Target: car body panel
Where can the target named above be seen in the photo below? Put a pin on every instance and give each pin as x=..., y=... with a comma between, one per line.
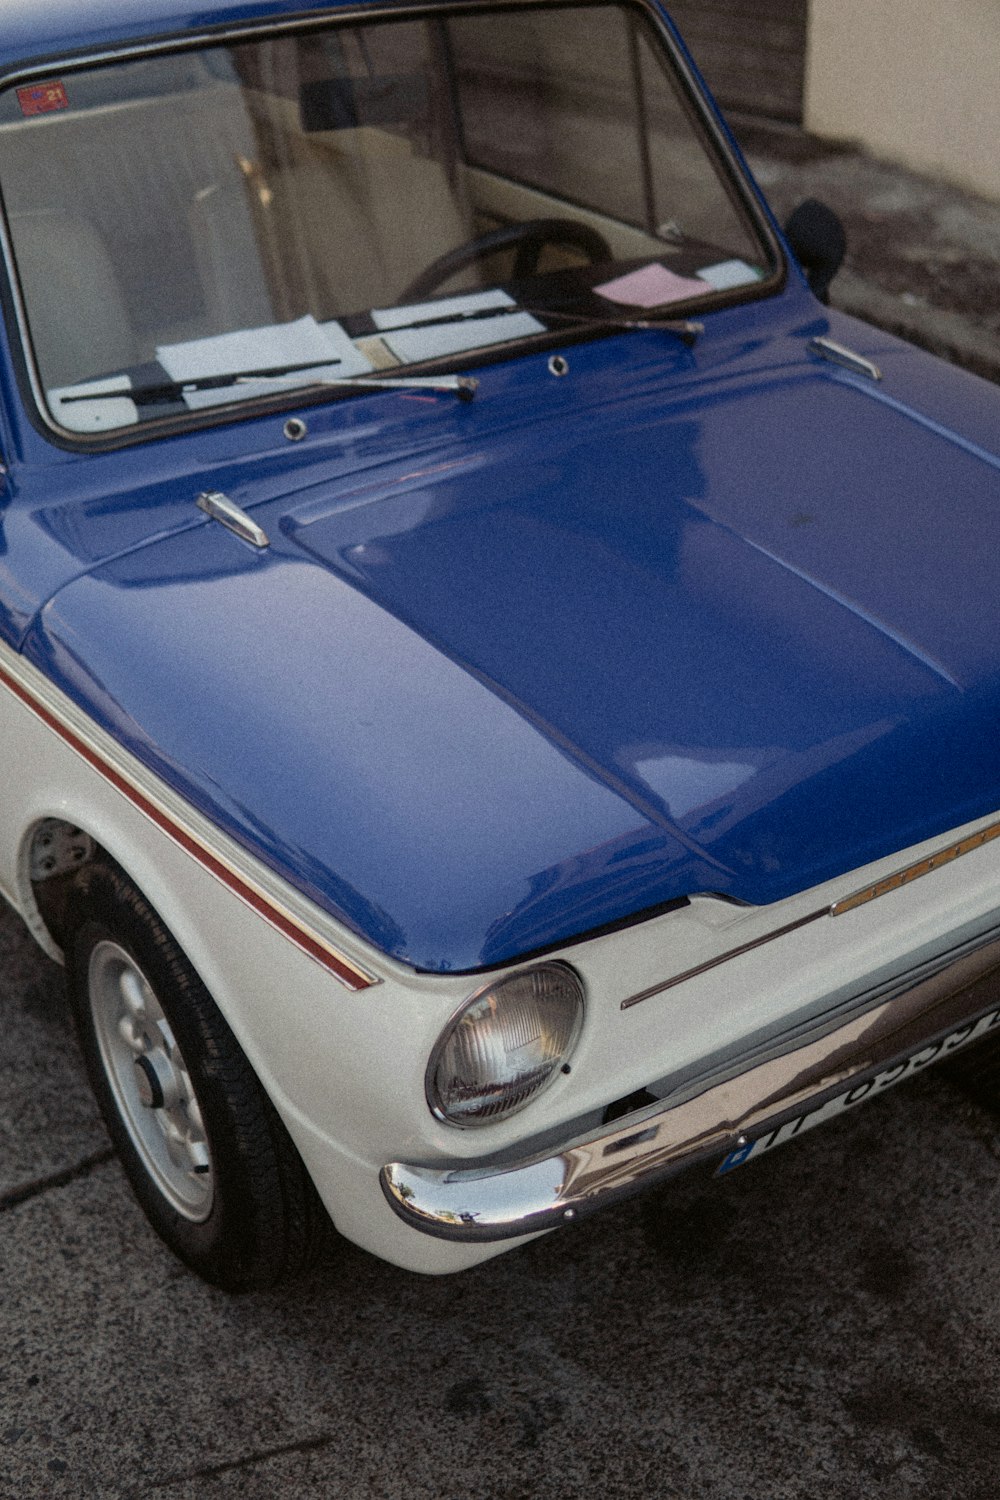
x=509, y=640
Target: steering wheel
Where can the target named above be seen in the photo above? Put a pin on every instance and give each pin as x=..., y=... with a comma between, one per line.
x=531, y=237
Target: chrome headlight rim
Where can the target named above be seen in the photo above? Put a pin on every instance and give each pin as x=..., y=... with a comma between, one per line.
x=434, y=1104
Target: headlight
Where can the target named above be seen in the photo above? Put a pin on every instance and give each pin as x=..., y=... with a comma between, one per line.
x=505, y=1045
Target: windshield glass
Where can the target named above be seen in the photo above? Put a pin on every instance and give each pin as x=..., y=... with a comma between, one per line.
x=220, y=224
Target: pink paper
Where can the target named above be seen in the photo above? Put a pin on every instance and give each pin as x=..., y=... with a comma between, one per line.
x=651, y=286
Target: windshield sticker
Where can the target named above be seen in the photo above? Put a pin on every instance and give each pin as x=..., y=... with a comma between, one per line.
x=651, y=286
x=729, y=273
x=42, y=98
x=262, y=360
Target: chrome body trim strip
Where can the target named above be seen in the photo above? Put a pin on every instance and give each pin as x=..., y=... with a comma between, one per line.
x=724, y=958
x=861, y=897
x=922, y=1022
x=916, y=871
x=839, y=354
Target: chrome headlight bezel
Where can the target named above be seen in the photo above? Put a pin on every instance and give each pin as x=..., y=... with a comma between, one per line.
x=568, y=983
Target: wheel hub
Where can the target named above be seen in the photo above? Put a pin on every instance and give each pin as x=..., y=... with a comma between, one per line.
x=150, y=1082
x=156, y=1082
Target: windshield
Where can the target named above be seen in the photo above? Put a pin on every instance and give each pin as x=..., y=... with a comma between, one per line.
x=220, y=224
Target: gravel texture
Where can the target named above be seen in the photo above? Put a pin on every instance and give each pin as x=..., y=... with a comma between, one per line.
x=923, y=258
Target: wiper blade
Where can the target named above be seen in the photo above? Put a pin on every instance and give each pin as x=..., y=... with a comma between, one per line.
x=682, y=328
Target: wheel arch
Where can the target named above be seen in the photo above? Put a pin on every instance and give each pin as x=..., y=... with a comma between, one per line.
x=198, y=912
x=55, y=844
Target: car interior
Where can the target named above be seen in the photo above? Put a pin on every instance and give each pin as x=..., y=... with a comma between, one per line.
x=184, y=196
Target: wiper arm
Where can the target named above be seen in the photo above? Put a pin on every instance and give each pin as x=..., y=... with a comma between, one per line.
x=682, y=328
x=463, y=386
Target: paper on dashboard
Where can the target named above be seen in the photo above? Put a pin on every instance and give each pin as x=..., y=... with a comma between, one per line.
x=417, y=331
x=94, y=405
x=650, y=286
x=728, y=273
x=319, y=352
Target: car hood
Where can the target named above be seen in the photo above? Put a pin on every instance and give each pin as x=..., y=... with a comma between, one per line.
x=738, y=640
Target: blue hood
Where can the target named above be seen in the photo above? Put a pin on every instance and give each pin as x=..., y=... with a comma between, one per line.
x=742, y=640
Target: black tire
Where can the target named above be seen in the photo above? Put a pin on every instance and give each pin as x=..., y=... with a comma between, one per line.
x=207, y=1156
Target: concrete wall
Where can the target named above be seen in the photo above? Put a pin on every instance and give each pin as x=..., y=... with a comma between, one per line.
x=917, y=81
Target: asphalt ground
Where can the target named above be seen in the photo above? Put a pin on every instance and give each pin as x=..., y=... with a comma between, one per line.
x=825, y=1323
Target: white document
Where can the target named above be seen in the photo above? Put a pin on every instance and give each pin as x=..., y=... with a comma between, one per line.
x=94, y=405
x=429, y=338
x=319, y=353
x=729, y=273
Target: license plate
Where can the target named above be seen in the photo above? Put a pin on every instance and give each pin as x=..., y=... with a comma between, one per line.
x=865, y=1088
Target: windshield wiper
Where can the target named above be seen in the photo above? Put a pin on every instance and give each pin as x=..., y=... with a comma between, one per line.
x=463, y=386
x=682, y=328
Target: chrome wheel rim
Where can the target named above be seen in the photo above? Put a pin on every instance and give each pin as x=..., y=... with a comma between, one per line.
x=150, y=1081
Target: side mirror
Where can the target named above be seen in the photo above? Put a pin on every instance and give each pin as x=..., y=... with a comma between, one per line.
x=818, y=242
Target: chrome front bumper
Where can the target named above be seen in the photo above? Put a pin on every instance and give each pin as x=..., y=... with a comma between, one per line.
x=920, y=1024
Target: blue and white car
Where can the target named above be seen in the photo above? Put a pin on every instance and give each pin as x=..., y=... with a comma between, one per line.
x=498, y=683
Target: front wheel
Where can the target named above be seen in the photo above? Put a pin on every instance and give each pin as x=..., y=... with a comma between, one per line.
x=207, y=1156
